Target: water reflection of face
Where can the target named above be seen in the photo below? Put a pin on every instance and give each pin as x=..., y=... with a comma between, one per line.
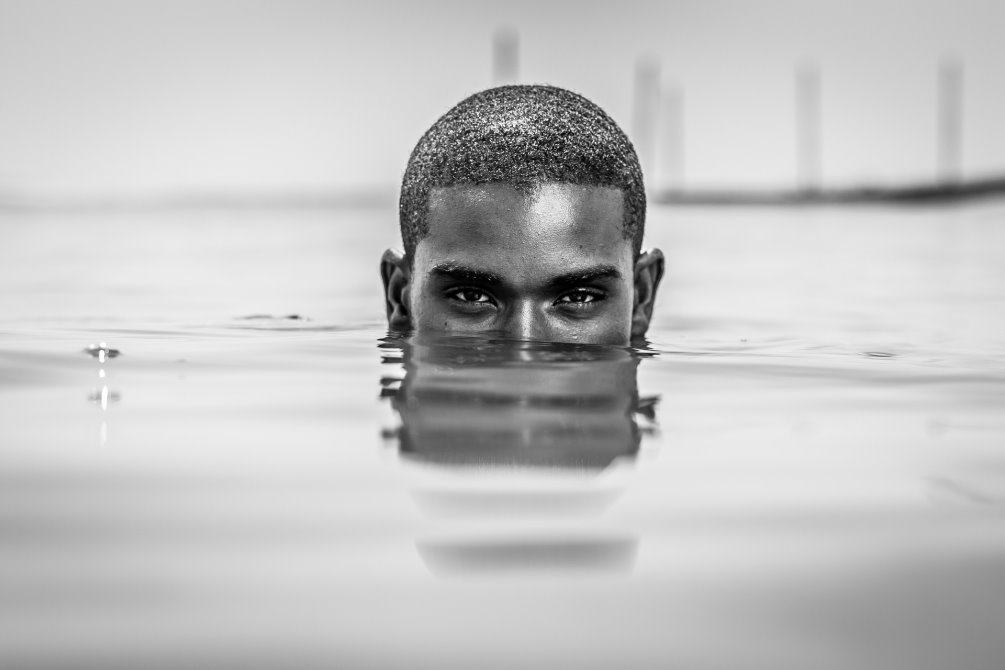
x=491, y=403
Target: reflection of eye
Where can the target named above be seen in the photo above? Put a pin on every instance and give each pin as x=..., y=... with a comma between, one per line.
x=470, y=296
x=580, y=296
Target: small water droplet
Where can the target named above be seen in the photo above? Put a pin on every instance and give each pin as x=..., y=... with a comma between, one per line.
x=102, y=352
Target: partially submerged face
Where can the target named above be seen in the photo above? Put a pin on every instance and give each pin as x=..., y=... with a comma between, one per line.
x=548, y=264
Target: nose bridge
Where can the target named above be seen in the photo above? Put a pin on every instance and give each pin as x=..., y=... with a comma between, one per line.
x=525, y=322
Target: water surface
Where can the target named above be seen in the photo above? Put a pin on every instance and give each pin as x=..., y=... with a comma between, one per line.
x=803, y=470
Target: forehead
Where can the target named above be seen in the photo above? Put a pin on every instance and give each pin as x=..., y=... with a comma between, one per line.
x=503, y=228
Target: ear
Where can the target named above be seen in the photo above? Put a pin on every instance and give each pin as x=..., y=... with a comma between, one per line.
x=396, y=274
x=648, y=273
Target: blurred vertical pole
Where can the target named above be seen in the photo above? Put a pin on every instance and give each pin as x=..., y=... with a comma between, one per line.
x=673, y=143
x=645, y=111
x=505, y=56
x=808, y=126
x=950, y=121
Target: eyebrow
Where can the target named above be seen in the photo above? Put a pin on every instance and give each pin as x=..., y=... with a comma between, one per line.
x=585, y=276
x=458, y=272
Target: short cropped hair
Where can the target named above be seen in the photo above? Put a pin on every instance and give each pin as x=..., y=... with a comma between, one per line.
x=521, y=135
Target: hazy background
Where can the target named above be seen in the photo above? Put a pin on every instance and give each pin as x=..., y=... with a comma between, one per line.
x=155, y=98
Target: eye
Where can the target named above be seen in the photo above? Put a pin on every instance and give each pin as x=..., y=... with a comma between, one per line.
x=471, y=296
x=580, y=296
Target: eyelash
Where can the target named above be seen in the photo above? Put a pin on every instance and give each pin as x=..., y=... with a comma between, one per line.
x=455, y=294
x=589, y=296
x=592, y=295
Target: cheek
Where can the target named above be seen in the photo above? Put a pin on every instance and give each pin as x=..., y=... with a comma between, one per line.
x=429, y=312
x=612, y=333
x=420, y=302
x=619, y=326
x=612, y=327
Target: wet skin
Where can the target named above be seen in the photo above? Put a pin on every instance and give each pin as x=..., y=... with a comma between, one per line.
x=549, y=264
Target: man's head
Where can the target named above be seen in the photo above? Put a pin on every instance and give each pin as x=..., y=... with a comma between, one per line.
x=522, y=213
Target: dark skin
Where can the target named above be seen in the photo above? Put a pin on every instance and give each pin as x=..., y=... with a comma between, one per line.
x=551, y=264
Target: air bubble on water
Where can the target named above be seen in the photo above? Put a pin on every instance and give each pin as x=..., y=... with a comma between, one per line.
x=102, y=352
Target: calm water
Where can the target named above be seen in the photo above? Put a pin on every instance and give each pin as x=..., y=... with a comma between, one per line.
x=806, y=469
